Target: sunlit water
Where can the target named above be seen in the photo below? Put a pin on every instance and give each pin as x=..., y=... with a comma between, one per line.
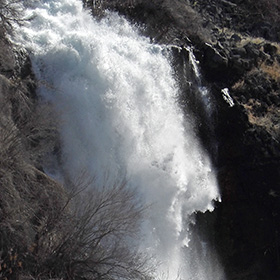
x=117, y=99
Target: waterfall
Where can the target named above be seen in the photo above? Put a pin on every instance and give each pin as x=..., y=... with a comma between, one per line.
x=117, y=99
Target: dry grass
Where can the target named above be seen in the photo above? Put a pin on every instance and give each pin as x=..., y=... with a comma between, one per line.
x=238, y=85
x=259, y=41
x=271, y=71
x=268, y=120
x=248, y=39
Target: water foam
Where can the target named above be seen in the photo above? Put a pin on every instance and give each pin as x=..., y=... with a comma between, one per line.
x=117, y=99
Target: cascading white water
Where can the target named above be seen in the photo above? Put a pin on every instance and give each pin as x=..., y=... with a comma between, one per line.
x=116, y=96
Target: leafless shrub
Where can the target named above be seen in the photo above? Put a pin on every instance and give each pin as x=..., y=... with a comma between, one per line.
x=40, y=132
x=10, y=150
x=35, y=120
x=10, y=13
x=96, y=241
x=27, y=196
x=85, y=234
x=88, y=232
x=28, y=200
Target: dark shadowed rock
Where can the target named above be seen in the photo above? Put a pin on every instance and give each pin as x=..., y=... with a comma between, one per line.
x=270, y=49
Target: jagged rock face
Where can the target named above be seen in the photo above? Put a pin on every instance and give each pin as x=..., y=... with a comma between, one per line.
x=259, y=18
x=245, y=226
x=247, y=221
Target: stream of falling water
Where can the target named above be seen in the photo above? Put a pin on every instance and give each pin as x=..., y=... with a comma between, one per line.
x=117, y=99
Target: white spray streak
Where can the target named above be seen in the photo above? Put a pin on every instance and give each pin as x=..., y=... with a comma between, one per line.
x=227, y=97
x=117, y=98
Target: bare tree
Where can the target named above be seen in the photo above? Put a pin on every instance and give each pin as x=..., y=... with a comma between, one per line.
x=10, y=12
x=98, y=239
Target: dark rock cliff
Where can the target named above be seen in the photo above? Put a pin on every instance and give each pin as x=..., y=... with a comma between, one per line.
x=237, y=45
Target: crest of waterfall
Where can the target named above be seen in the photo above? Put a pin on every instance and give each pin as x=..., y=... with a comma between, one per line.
x=117, y=98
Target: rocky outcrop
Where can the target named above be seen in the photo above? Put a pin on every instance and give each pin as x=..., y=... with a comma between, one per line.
x=246, y=229
x=257, y=18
